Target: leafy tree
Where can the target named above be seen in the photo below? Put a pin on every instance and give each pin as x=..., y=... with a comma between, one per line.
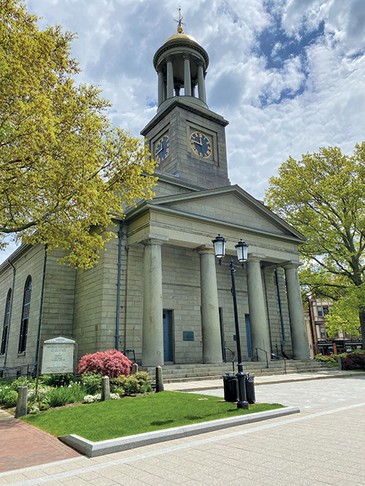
x=64, y=171
x=323, y=196
x=344, y=314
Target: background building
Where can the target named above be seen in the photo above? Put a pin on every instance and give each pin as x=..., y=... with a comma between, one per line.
x=342, y=342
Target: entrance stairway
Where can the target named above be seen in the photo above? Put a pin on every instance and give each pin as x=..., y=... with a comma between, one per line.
x=193, y=372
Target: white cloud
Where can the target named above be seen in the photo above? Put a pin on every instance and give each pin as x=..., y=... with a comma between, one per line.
x=310, y=77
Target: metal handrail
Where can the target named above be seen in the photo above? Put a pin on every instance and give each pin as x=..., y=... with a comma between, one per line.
x=266, y=354
x=6, y=371
x=276, y=356
x=233, y=355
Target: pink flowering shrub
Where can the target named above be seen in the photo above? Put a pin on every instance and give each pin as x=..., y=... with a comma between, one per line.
x=110, y=363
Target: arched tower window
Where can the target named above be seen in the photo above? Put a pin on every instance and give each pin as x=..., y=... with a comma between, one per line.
x=25, y=316
x=5, y=335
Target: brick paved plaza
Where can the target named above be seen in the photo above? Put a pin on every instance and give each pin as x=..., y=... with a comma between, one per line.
x=323, y=445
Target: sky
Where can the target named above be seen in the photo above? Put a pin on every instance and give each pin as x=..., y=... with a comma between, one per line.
x=289, y=75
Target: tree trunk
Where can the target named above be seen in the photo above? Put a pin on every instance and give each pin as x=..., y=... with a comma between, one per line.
x=362, y=323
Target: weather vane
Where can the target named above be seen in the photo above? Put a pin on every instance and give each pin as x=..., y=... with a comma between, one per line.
x=180, y=22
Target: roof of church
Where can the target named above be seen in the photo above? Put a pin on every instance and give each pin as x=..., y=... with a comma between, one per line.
x=182, y=40
x=286, y=231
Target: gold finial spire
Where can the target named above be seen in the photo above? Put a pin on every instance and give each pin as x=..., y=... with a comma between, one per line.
x=180, y=23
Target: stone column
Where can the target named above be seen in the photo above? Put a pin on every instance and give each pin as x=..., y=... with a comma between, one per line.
x=296, y=315
x=161, y=88
x=187, y=76
x=170, y=79
x=212, y=349
x=256, y=302
x=201, y=83
x=152, y=334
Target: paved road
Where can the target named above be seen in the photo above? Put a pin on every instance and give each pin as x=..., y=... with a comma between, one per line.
x=324, y=445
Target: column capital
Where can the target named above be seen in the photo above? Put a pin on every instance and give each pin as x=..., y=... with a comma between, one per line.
x=155, y=240
x=203, y=249
x=291, y=264
x=256, y=257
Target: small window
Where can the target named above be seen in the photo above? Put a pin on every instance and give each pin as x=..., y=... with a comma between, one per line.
x=323, y=332
x=25, y=316
x=4, y=339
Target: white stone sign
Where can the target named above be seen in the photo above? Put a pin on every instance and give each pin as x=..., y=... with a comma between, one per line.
x=58, y=356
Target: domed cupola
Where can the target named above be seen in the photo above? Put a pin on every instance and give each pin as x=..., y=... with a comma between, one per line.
x=185, y=137
x=181, y=64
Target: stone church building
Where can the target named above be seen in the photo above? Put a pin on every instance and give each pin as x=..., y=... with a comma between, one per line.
x=157, y=289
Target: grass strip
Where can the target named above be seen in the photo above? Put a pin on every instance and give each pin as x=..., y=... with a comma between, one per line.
x=137, y=415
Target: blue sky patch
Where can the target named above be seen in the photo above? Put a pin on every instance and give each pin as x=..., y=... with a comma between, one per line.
x=277, y=47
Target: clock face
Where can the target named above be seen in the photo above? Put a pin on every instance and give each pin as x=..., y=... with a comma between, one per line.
x=200, y=144
x=162, y=148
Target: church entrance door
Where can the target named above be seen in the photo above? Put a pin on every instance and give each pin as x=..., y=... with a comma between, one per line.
x=168, y=343
x=248, y=336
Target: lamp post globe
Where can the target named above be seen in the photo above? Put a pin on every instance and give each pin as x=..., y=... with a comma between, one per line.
x=219, y=245
x=242, y=251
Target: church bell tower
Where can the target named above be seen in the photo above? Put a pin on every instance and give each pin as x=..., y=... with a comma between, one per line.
x=186, y=139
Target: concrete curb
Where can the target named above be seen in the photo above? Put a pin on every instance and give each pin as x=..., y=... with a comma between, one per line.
x=94, y=449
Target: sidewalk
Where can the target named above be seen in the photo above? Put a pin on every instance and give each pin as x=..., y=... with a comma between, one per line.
x=276, y=452
x=23, y=445
x=201, y=385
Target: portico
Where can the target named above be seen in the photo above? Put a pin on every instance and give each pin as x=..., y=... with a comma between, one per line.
x=199, y=298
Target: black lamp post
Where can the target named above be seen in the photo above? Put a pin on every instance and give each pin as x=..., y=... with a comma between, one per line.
x=219, y=244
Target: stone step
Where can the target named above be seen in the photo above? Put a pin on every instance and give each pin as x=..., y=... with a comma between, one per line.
x=186, y=372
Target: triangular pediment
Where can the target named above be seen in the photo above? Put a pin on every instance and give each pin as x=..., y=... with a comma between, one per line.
x=228, y=205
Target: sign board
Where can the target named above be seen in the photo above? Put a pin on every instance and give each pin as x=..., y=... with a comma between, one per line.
x=188, y=335
x=58, y=356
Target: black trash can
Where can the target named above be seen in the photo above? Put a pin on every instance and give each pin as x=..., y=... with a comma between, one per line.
x=230, y=387
x=250, y=389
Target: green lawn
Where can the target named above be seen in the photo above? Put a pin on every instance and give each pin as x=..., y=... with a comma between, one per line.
x=136, y=415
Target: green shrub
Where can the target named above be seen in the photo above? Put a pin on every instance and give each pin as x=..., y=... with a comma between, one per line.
x=91, y=382
x=43, y=406
x=57, y=397
x=119, y=390
x=131, y=385
x=58, y=379
x=10, y=399
x=330, y=360
x=4, y=389
x=144, y=381
x=76, y=392
x=37, y=396
x=22, y=381
x=357, y=351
